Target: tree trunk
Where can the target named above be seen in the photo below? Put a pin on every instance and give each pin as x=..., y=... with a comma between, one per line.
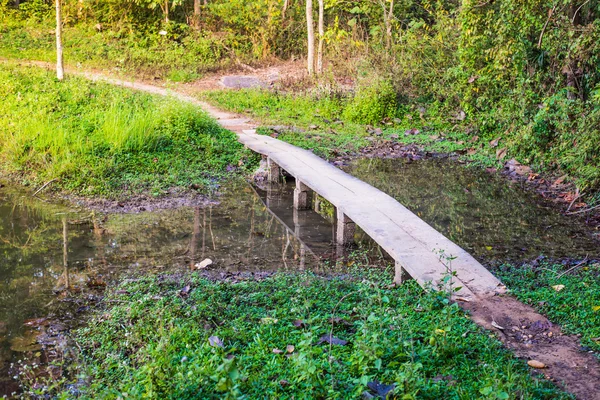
x=167, y=11
x=60, y=73
x=321, y=36
x=284, y=9
x=388, y=28
x=310, y=30
x=196, y=13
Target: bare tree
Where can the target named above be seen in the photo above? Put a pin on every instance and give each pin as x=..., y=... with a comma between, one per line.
x=60, y=73
x=310, y=30
x=321, y=37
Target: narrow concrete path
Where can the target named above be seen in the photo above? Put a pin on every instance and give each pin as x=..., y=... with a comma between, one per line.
x=411, y=241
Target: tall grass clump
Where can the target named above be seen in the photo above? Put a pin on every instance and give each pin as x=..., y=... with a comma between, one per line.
x=96, y=139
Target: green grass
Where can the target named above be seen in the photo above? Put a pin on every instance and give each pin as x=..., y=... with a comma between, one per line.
x=576, y=307
x=327, y=132
x=99, y=140
x=318, y=117
x=153, y=342
x=142, y=54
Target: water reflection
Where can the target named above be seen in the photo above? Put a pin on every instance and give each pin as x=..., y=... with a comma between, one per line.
x=492, y=219
x=52, y=257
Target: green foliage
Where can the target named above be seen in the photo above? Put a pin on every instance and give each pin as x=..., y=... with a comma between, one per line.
x=153, y=342
x=576, y=307
x=310, y=120
x=372, y=103
x=100, y=140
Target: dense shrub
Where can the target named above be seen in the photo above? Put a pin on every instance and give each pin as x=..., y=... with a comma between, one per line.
x=373, y=102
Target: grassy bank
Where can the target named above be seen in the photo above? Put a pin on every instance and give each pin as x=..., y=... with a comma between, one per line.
x=187, y=337
x=571, y=299
x=95, y=139
x=329, y=129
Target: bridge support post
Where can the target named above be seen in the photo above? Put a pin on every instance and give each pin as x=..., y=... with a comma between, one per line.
x=316, y=202
x=345, y=229
x=301, y=196
x=400, y=274
x=273, y=171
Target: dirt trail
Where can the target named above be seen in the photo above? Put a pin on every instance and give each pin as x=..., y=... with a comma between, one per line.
x=532, y=336
x=527, y=333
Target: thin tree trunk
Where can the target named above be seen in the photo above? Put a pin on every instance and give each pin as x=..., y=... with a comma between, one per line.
x=196, y=13
x=284, y=9
x=310, y=30
x=167, y=11
x=60, y=72
x=388, y=40
x=321, y=36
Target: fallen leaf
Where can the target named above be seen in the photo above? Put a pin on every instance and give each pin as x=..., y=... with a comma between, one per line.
x=289, y=348
x=560, y=180
x=596, y=308
x=471, y=151
x=332, y=340
x=299, y=323
x=461, y=115
x=473, y=78
x=185, y=291
x=501, y=153
x=474, y=139
x=283, y=382
x=536, y=364
x=382, y=390
x=558, y=288
x=268, y=320
x=204, y=263
x=277, y=351
x=497, y=326
x=494, y=143
x=214, y=341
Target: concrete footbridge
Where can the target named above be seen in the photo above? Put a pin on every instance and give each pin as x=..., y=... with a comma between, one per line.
x=420, y=252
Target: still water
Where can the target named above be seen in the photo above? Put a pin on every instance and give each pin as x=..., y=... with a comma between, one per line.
x=55, y=261
x=493, y=219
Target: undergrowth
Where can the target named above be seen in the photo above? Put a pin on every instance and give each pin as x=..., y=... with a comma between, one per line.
x=325, y=122
x=188, y=337
x=96, y=139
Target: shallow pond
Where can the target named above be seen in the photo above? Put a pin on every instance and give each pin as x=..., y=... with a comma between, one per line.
x=45, y=248
x=493, y=219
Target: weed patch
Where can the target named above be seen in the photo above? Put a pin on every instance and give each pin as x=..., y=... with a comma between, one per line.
x=164, y=337
x=98, y=140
